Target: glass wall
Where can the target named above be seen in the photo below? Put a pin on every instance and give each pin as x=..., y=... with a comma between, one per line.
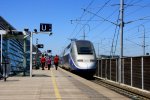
x=14, y=51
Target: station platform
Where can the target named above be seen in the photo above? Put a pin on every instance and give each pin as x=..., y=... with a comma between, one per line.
x=54, y=85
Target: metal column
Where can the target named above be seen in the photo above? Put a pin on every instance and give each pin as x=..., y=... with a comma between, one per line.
x=1, y=47
x=142, y=73
x=31, y=54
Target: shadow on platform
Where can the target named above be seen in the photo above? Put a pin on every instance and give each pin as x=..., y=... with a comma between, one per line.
x=40, y=75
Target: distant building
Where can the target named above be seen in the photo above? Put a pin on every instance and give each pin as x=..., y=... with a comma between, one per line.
x=36, y=57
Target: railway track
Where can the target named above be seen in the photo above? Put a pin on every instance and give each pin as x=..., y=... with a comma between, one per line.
x=133, y=94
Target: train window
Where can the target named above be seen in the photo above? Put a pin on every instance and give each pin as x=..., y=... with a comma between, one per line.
x=84, y=50
x=84, y=47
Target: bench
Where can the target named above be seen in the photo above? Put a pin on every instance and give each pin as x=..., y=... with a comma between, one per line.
x=19, y=70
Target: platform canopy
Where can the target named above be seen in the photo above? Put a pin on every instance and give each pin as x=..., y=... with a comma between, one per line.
x=8, y=31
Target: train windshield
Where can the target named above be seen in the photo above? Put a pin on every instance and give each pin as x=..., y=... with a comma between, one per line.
x=84, y=47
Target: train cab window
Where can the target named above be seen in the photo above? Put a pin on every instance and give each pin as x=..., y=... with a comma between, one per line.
x=84, y=48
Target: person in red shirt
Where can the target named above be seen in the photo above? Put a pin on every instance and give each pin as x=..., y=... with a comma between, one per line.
x=43, y=60
x=49, y=62
x=56, y=61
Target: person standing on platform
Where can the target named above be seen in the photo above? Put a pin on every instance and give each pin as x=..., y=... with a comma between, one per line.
x=56, y=61
x=49, y=62
x=43, y=60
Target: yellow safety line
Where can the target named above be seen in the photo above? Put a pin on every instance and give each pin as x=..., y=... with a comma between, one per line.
x=57, y=94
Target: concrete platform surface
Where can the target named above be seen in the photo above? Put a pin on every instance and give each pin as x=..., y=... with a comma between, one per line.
x=54, y=85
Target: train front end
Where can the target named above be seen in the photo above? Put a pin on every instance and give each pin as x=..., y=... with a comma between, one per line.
x=84, y=57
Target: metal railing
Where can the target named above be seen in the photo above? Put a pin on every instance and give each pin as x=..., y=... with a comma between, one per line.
x=135, y=71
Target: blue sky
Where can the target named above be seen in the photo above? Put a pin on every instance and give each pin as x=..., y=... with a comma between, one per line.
x=30, y=13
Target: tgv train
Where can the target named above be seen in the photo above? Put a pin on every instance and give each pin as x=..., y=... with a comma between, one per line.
x=79, y=56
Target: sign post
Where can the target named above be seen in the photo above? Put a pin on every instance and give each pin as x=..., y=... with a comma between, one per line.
x=44, y=28
x=31, y=54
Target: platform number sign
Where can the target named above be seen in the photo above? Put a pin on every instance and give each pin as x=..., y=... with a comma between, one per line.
x=45, y=27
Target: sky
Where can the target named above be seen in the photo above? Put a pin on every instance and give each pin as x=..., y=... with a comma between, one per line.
x=98, y=19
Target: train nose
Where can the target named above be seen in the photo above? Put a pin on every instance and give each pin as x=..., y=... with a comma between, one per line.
x=86, y=64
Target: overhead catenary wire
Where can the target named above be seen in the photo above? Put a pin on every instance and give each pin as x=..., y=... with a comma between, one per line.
x=117, y=35
x=130, y=29
x=134, y=35
x=137, y=20
x=138, y=24
x=130, y=13
x=81, y=17
x=100, y=17
x=111, y=51
x=135, y=27
x=132, y=3
x=117, y=39
x=98, y=25
x=134, y=21
x=107, y=18
x=137, y=35
x=92, y=17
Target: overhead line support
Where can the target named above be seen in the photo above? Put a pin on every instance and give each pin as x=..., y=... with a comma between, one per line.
x=121, y=37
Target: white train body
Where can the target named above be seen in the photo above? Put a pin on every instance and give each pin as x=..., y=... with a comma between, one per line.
x=79, y=56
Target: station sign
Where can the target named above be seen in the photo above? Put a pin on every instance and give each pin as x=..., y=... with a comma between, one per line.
x=40, y=46
x=44, y=27
x=49, y=51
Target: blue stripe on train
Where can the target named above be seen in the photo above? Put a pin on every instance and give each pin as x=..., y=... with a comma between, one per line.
x=72, y=64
